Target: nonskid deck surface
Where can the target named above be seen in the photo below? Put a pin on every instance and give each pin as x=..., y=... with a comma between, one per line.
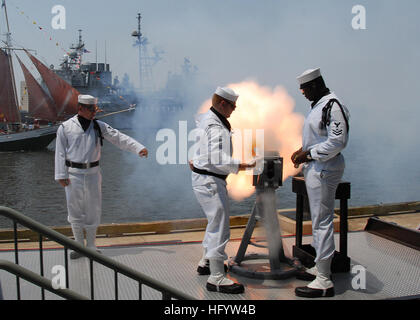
x=392, y=271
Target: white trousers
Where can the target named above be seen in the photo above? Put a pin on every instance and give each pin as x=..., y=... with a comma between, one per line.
x=214, y=201
x=321, y=186
x=84, y=200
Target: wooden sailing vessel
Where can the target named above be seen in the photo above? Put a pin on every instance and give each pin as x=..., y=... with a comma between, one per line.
x=14, y=135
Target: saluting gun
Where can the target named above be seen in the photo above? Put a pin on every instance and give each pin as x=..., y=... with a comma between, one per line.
x=266, y=183
x=272, y=174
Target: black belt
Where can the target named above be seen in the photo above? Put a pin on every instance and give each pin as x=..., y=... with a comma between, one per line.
x=327, y=155
x=78, y=165
x=208, y=173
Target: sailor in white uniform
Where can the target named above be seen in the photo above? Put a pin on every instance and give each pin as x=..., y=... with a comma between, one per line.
x=77, y=156
x=325, y=135
x=211, y=165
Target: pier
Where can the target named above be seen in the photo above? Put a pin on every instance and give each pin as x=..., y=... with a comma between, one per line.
x=169, y=251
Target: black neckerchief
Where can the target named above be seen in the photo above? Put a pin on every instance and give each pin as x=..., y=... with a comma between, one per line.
x=97, y=128
x=322, y=94
x=222, y=118
x=85, y=123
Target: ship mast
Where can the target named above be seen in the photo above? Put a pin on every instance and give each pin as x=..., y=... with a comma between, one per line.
x=8, y=34
x=145, y=61
x=80, y=38
x=9, y=51
x=139, y=41
x=75, y=57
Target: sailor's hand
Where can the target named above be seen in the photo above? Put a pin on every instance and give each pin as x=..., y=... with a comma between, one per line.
x=64, y=182
x=143, y=153
x=252, y=164
x=190, y=163
x=301, y=157
x=244, y=166
x=293, y=157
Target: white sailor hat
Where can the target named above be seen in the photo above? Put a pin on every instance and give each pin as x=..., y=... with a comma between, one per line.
x=309, y=75
x=87, y=99
x=227, y=93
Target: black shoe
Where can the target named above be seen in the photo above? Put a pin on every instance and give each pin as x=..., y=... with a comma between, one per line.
x=75, y=255
x=204, y=271
x=306, y=276
x=235, y=288
x=307, y=292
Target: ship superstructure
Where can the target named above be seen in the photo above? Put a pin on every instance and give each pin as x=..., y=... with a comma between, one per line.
x=87, y=78
x=95, y=78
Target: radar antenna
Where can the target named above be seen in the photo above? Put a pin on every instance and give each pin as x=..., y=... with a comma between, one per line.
x=145, y=60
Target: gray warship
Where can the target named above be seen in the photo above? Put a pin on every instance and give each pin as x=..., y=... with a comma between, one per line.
x=117, y=100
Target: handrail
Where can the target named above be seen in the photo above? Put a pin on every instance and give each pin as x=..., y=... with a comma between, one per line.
x=39, y=281
x=167, y=291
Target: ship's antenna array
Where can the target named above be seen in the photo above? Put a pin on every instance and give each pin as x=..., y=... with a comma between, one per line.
x=145, y=60
x=73, y=60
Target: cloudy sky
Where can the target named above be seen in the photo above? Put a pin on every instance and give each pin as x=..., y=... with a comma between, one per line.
x=270, y=41
x=373, y=70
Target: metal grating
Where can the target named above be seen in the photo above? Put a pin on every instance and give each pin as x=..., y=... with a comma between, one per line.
x=393, y=271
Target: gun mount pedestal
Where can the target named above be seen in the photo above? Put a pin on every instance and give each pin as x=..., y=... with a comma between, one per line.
x=265, y=209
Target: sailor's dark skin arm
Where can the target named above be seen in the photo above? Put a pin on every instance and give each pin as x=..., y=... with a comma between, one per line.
x=293, y=157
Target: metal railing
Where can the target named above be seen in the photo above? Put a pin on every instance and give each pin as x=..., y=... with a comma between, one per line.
x=118, y=268
x=36, y=279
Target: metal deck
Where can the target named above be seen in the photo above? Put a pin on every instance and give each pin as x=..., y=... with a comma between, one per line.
x=392, y=271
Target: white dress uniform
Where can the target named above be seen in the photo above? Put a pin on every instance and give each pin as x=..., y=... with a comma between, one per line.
x=323, y=175
x=83, y=194
x=214, y=155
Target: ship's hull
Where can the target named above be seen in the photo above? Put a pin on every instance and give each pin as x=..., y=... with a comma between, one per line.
x=32, y=140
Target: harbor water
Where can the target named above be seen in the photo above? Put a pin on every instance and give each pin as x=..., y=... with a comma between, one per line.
x=140, y=190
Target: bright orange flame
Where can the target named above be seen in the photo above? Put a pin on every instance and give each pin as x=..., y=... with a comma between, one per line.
x=261, y=107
